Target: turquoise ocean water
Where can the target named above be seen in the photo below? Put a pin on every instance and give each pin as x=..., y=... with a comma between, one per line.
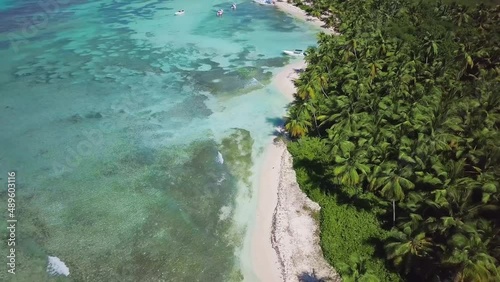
x=136, y=134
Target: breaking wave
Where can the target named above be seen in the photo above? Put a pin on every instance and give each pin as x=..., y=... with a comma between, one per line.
x=57, y=267
x=219, y=158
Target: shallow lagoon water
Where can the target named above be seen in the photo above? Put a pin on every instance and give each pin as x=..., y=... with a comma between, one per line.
x=115, y=115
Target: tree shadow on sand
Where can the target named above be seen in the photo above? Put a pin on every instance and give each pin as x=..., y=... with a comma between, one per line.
x=312, y=277
x=279, y=126
x=299, y=71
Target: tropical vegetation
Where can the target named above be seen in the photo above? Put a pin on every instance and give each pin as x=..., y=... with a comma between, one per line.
x=395, y=129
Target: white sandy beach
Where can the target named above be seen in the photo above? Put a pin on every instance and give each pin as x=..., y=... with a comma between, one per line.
x=264, y=258
x=283, y=81
x=300, y=14
x=285, y=241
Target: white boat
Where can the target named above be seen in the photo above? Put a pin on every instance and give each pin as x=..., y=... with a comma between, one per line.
x=180, y=12
x=296, y=52
x=264, y=2
x=220, y=12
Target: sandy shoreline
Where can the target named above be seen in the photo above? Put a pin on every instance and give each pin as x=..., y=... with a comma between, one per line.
x=267, y=265
x=283, y=81
x=264, y=258
x=285, y=240
x=300, y=14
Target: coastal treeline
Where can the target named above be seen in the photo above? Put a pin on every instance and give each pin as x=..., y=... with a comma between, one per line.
x=396, y=127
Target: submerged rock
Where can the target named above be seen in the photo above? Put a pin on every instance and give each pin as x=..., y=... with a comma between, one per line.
x=93, y=115
x=75, y=118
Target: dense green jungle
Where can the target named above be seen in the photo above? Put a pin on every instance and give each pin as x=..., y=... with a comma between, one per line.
x=395, y=133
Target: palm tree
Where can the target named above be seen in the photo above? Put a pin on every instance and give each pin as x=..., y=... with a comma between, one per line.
x=392, y=182
x=350, y=163
x=431, y=47
x=355, y=270
x=297, y=123
x=461, y=15
x=406, y=246
x=406, y=102
x=469, y=252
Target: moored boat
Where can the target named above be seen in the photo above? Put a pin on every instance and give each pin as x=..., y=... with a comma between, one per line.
x=296, y=52
x=264, y=2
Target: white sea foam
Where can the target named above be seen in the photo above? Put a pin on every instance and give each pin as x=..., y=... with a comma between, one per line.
x=221, y=179
x=255, y=81
x=219, y=158
x=57, y=267
x=224, y=213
